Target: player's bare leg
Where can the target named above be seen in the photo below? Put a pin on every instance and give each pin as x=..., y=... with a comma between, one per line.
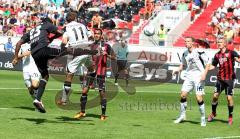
x=183, y=107
x=214, y=107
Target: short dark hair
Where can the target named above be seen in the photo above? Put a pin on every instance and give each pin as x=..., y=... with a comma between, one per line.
x=71, y=16
x=98, y=29
x=193, y=39
x=47, y=19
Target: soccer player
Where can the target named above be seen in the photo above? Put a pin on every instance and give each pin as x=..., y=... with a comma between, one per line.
x=121, y=50
x=225, y=58
x=31, y=74
x=76, y=35
x=98, y=73
x=39, y=40
x=194, y=60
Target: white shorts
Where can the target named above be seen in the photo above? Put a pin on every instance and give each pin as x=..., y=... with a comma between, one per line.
x=75, y=65
x=189, y=85
x=29, y=76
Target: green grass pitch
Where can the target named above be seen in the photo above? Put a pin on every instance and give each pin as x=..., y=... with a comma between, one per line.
x=147, y=114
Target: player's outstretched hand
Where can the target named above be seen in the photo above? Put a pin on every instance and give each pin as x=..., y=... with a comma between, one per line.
x=15, y=61
x=175, y=72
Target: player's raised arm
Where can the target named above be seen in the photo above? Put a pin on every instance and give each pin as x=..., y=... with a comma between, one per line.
x=18, y=46
x=57, y=34
x=27, y=53
x=25, y=38
x=52, y=29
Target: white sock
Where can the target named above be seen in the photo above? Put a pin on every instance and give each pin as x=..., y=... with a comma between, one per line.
x=183, y=107
x=65, y=92
x=202, y=110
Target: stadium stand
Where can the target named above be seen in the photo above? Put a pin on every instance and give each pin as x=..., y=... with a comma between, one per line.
x=224, y=20
x=18, y=17
x=199, y=27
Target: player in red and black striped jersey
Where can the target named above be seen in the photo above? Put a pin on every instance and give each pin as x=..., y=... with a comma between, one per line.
x=99, y=67
x=225, y=58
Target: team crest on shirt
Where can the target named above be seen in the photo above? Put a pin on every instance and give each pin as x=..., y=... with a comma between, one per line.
x=222, y=60
x=227, y=55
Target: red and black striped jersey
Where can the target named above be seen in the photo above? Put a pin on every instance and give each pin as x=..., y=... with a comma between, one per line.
x=226, y=64
x=100, y=61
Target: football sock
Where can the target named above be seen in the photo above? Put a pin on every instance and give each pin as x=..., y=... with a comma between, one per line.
x=31, y=91
x=104, y=105
x=183, y=106
x=202, y=108
x=214, y=107
x=35, y=92
x=66, y=89
x=230, y=110
x=83, y=101
x=116, y=77
x=41, y=89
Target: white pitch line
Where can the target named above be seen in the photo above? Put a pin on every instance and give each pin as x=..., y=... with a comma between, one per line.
x=22, y=89
x=228, y=137
x=4, y=108
x=52, y=89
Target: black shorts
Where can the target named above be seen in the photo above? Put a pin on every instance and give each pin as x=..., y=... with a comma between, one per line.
x=227, y=85
x=121, y=64
x=98, y=80
x=42, y=56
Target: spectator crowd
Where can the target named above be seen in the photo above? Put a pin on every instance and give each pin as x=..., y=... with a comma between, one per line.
x=225, y=22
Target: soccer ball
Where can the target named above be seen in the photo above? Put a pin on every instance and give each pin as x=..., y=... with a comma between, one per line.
x=149, y=30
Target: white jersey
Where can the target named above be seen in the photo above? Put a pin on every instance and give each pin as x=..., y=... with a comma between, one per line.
x=77, y=35
x=28, y=62
x=30, y=70
x=195, y=63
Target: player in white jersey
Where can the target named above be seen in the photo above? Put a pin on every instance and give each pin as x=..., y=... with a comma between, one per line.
x=31, y=74
x=76, y=35
x=194, y=60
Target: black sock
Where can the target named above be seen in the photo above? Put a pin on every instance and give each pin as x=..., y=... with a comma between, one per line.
x=41, y=89
x=104, y=105
x=116, y=77
x=182, y=100
x=83, y=101
x=67, y=87
x=230, y=110
x=200, y=103
x=214, y=107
